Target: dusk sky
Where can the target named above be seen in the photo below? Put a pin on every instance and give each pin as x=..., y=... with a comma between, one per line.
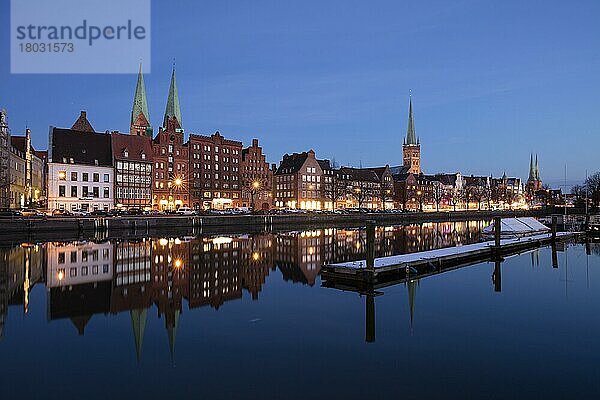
x=491, y=81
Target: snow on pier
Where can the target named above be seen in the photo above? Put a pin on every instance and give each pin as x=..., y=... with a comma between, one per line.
x=437, y=255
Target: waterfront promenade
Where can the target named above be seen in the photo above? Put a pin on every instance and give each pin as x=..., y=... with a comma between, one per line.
x=87, y=227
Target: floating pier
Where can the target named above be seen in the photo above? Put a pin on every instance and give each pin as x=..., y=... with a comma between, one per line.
x=376, y=273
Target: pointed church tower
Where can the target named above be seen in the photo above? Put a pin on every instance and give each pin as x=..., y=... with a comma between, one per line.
x=534, y=182
x=140, y=118
x=138, y=323
x=412, y=292
x=172, y=111
x=411, y=150
x=531, y=169
x=172, y=333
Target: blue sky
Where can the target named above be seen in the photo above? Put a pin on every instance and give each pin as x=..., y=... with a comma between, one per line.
x=491, y=81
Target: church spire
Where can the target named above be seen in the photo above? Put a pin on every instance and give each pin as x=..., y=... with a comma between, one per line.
x=172, y=333
x=140, y=117
x=172, y=110
x=138, y=322
x=531, y=168
x=411, y=137
x=140, y=103
x=537, y=169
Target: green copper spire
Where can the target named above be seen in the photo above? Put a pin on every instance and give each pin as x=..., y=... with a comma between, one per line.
x=172, y=109
x=537, y=169
x=138, y=322
x=172, y=332
x=411, y=137
x=531, y=168
x=140, y=104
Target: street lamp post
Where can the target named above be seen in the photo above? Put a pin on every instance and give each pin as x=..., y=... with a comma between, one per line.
x=254, y=188
x=177, y=182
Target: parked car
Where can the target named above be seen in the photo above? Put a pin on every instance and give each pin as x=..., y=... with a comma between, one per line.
x=80, y=213
x=30, y=212
x=61, y=213
x=135, y=211
x=100, y=213
x=185, y=211
x=9, y=213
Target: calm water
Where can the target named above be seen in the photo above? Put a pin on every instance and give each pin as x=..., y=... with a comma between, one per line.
x=246, y=316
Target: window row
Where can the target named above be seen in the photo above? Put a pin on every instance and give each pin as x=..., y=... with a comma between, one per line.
x=85, y=191
x=85, y=177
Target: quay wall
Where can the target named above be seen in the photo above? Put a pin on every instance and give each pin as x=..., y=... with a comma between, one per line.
x=86, y=227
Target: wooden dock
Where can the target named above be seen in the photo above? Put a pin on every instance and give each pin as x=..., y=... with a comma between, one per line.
x=365, y=276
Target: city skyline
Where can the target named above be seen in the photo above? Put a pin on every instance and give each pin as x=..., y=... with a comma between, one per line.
x=505, y=91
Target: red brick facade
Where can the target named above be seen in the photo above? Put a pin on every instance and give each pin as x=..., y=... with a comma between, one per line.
x=256, y=178
x=170, y=175
x=215, y=171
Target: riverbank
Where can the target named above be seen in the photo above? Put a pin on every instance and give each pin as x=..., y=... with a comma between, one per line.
x=85, y=227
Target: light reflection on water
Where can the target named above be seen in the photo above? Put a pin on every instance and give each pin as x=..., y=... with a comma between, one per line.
x=148, y=305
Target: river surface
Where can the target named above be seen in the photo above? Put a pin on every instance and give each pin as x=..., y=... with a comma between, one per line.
x=246, y=316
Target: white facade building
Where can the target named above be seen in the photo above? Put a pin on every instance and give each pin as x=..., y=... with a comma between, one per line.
x=78, y=263
x=80, y=187
x=80, y=168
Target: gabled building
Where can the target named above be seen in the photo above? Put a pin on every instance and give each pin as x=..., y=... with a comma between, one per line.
x=298, y=182
x=132, y=159
x=28, y=186
x=368, y=187
x=80, y=168
x=170, y=183
x=506, y=191
x=256, y=177
x=215, y=171
x=5, y=149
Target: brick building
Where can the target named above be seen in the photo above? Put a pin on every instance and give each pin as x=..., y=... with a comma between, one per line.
x=215, y=171
x=170, y=183
x=256, y=178
x=298, y=182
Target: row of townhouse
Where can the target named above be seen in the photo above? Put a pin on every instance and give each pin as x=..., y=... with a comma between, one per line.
x=22, y=169
x=90, y=170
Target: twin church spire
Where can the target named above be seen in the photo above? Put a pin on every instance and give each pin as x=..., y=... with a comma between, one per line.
x=534, y=169
x=140, y=117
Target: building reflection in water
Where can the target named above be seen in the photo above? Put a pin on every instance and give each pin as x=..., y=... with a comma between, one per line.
x=133, y=276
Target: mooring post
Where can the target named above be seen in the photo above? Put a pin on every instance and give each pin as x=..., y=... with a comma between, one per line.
x=497, y=231
x=497, y=276
x=371, y=246
x=554, y=221
x=554, y=255
x=370, y=319
x=588, y=248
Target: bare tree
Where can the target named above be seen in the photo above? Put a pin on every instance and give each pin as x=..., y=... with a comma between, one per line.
x=334, y=187
x=438, y=194
x=592, y=184
x=361, y=192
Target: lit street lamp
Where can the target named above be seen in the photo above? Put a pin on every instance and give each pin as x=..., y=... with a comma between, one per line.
x=177, y=183
x=255, y=186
